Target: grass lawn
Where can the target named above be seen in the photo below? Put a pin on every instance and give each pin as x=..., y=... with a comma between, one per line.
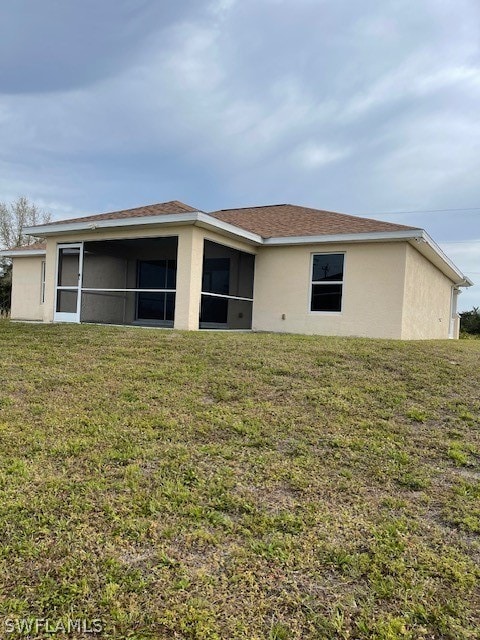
x=224, y=486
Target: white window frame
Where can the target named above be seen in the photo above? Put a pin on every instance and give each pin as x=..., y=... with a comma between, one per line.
x=322, y=282
x=43, y=269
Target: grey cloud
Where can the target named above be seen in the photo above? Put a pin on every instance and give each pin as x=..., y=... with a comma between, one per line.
x=357, y=106
x=55, y=45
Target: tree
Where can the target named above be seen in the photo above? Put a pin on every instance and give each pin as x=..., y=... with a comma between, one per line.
x=470, y=321
x=14, y=217
x=5, y=288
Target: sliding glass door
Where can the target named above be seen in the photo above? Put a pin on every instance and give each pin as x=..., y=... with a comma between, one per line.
x=154, y=306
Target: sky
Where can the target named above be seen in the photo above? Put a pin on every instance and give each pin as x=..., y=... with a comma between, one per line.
x=369, y=108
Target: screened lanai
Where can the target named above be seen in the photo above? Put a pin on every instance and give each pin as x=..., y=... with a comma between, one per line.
x=134, y=281
x=130, y=281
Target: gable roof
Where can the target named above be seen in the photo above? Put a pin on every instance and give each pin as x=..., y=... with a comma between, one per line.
x=159, y=209
x=287, y=220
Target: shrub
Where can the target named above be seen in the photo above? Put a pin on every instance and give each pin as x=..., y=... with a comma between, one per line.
x=470, y=321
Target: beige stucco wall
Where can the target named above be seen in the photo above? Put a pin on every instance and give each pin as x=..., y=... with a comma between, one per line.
x=427, y=302
x=372, y=291
x=26, y=288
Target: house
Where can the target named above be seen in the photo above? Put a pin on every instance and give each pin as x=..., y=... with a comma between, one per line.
x=278, y=268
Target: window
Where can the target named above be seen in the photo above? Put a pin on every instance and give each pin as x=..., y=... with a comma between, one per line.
x=327, y=282
x=42, y=283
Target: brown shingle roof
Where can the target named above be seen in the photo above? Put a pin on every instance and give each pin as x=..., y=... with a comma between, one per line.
x=286, y=220
x=162, y=208
x=280, y=220
x=36, y=246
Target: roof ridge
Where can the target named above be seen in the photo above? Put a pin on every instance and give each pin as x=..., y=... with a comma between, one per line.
x=258, y=206
x=143, y=206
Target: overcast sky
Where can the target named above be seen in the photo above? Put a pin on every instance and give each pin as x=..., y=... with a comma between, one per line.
x=365, y=107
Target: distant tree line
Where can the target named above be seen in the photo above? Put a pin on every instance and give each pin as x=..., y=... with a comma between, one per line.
x=14, y=217
x=470, y=321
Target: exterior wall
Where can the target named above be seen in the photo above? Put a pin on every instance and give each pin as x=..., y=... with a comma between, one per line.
x=373, y=286
x=427, y=304
x=27, y=288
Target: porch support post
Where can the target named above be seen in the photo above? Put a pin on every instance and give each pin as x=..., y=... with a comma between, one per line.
x=189, y=278
x=50, y=280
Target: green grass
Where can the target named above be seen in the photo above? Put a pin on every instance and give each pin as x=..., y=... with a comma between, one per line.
x=255, y=486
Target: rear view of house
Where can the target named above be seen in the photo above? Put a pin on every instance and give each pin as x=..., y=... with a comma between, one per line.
x=277, y=268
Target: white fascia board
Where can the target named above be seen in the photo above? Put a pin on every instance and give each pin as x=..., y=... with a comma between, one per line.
x=92, y=225
x=377, y=236
x=25, y=253
x=195, y=217
x=219, y=225
x=437, y=256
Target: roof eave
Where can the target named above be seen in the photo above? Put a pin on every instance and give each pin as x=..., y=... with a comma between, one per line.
x=431, y=250
x=205, y=220
x=199, y=218
x=369, y=236
x=54, y=229
x=23, y=253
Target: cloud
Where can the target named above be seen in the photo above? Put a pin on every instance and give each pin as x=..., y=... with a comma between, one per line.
x=58, y=45
x=349, y=106
x=314, y=155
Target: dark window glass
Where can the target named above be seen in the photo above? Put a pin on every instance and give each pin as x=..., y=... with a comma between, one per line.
x=156, y=306
x=156, y=274
x=171, y=274
x=327, y=267
x=214, y=310
x=216, y=275
x=326, y=297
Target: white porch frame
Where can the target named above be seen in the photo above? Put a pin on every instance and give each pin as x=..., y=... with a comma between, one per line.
x=63, y=316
